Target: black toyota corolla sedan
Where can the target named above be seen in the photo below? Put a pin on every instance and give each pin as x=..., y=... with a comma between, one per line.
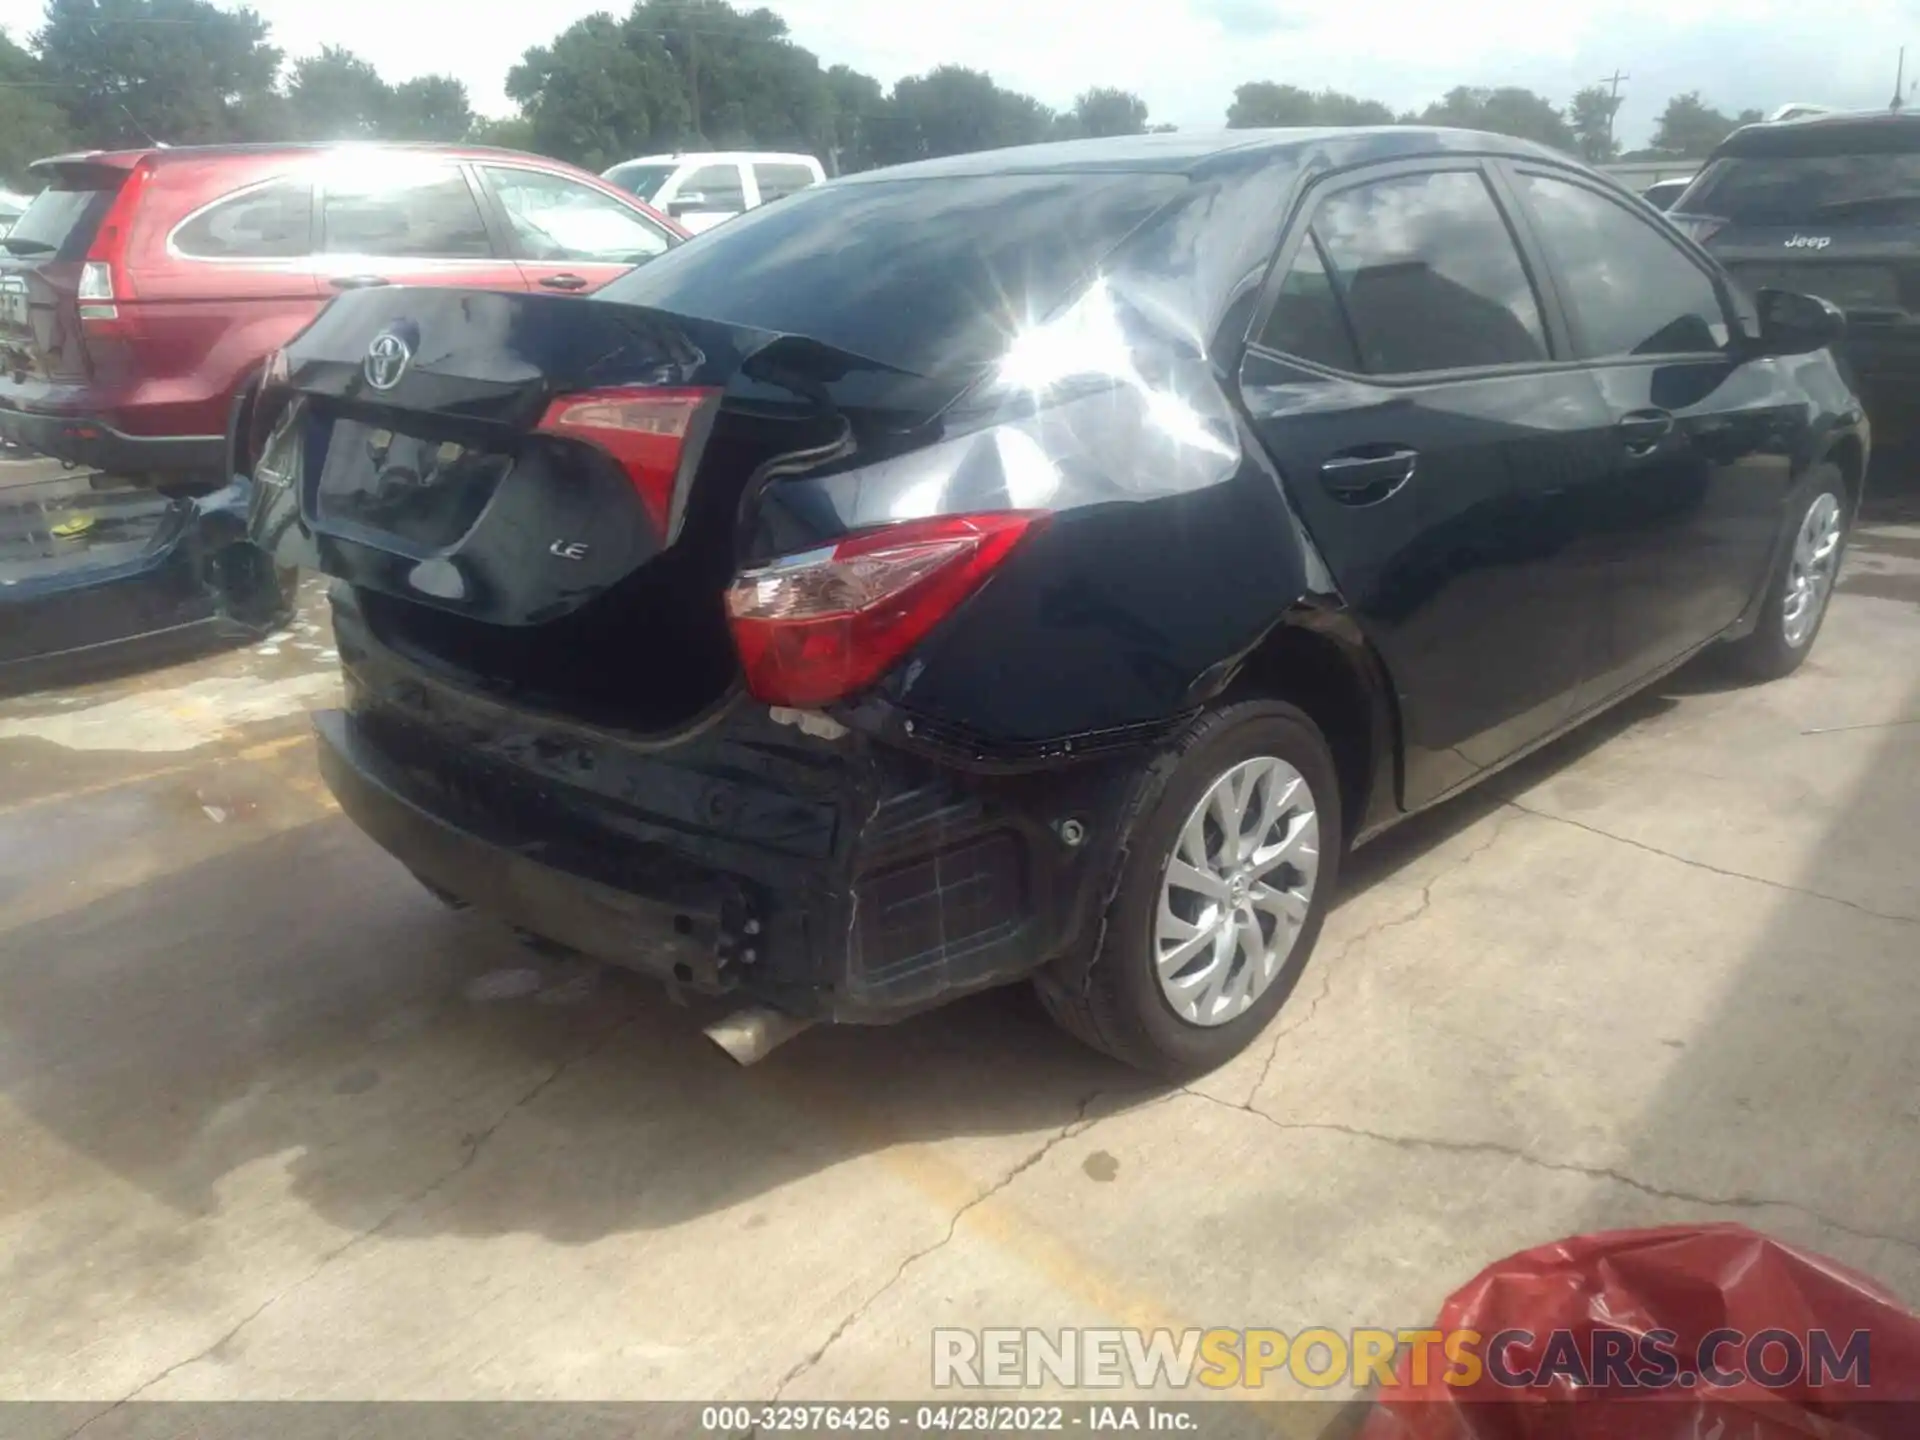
x=1038, y=565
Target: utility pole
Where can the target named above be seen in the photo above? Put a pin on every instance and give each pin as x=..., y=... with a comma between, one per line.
x=693, y=82
x=1612, y=82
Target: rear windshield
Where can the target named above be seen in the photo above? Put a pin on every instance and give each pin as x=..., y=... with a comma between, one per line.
x=641, y=180
x=1794, y=189
x=61, y=221
x=927, y=275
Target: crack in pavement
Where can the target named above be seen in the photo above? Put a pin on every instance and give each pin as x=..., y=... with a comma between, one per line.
x=1564, y=1167
x=1327, y=967
x=474, y=1143
x=1874, y=725
x=1713, y=869
x=1079, y=1125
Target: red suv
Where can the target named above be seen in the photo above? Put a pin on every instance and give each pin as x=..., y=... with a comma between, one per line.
x=142, y=290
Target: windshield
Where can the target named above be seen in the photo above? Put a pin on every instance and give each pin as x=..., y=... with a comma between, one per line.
x=1792, y=189
x=925, y=275
x=637, y=179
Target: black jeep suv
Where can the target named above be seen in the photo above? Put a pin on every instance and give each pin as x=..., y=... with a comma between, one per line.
x=1040, y=564
x=1827, y=206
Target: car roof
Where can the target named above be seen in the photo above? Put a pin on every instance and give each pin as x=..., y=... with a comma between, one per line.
x=128, y=158
x=685, y=156
x=1871, y=131
x=1192, y=152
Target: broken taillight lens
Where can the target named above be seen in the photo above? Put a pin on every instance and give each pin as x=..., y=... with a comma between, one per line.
x=652, y=434
x=818, y=626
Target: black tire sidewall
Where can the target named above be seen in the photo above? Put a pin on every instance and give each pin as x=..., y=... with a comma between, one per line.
x=1125, y=967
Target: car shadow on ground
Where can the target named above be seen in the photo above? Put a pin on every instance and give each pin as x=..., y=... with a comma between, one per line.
x=299, y=996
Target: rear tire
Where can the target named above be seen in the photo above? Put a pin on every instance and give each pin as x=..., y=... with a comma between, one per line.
x=1820, y=511
x=1120, y=999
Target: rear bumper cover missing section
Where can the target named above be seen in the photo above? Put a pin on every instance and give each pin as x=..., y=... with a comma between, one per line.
x=836, y=880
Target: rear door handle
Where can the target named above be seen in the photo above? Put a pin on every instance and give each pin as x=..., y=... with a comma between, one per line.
x=1361, y=477
x=565, y=282
x=357, y=282
x=1643, y=430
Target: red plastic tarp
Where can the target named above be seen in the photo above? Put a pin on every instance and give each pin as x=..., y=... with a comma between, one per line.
x=1691, y=1281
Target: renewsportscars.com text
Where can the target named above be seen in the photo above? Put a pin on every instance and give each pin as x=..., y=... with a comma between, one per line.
x=1321, y=1358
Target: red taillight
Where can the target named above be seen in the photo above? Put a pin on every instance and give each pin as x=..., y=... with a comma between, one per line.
x=819, y=626
x=648, y=432
x=104, y=278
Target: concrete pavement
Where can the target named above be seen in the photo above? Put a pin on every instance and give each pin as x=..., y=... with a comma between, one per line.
x=278, y=1126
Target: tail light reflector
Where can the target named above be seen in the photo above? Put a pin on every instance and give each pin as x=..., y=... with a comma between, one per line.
x=652, y=434
x=818, y=626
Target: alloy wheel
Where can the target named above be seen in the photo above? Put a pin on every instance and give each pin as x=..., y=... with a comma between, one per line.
x=1810, y=576
x=1236, y=890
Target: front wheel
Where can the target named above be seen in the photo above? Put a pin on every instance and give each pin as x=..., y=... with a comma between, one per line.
x=1224, y=882
x=1796, y=600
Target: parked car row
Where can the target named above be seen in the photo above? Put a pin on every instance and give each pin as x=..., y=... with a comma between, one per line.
x=1038, y=565
x=142, y=290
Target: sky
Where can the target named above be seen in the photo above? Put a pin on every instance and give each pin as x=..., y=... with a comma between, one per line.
x=1184, y=57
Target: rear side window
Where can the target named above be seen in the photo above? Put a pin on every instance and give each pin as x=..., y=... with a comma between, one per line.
x=271, y=222
x=61, y=221
x=776, y=181
x=1307, y=321
x=405, y=212
x=718, y=188
x=1632, y=290
x=929, y=276
x=1796, y=189
x=1429, y=274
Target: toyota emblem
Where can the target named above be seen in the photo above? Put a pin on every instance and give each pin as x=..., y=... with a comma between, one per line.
x=387, y=360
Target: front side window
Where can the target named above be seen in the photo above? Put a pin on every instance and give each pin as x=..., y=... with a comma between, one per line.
x=1632, y=290
x=404, y=212
x=717, y=188
x=270, y=222
x=557, y=219
x=1429, y=275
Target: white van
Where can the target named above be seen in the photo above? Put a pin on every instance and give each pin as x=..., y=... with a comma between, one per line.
x=702, y=188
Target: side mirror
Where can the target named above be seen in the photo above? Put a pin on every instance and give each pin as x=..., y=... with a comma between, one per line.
x=1792, y=324
x=686, y=205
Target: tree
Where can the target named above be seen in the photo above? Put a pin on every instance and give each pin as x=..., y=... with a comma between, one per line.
x=1591, y=118
x=1106, y=111
x=1261, y=103
x=1508, y=110
x=31, y=125
x=513, y=132
x=1691, y=127
x=1331, y=107
x=174, y=70
x=857, y=110
x=600, y=94
x=748, y=86
x=336, y=95
x=951, y=110
x=428, y=107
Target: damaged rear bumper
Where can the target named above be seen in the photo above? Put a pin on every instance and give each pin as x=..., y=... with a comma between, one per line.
x=833, y=879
